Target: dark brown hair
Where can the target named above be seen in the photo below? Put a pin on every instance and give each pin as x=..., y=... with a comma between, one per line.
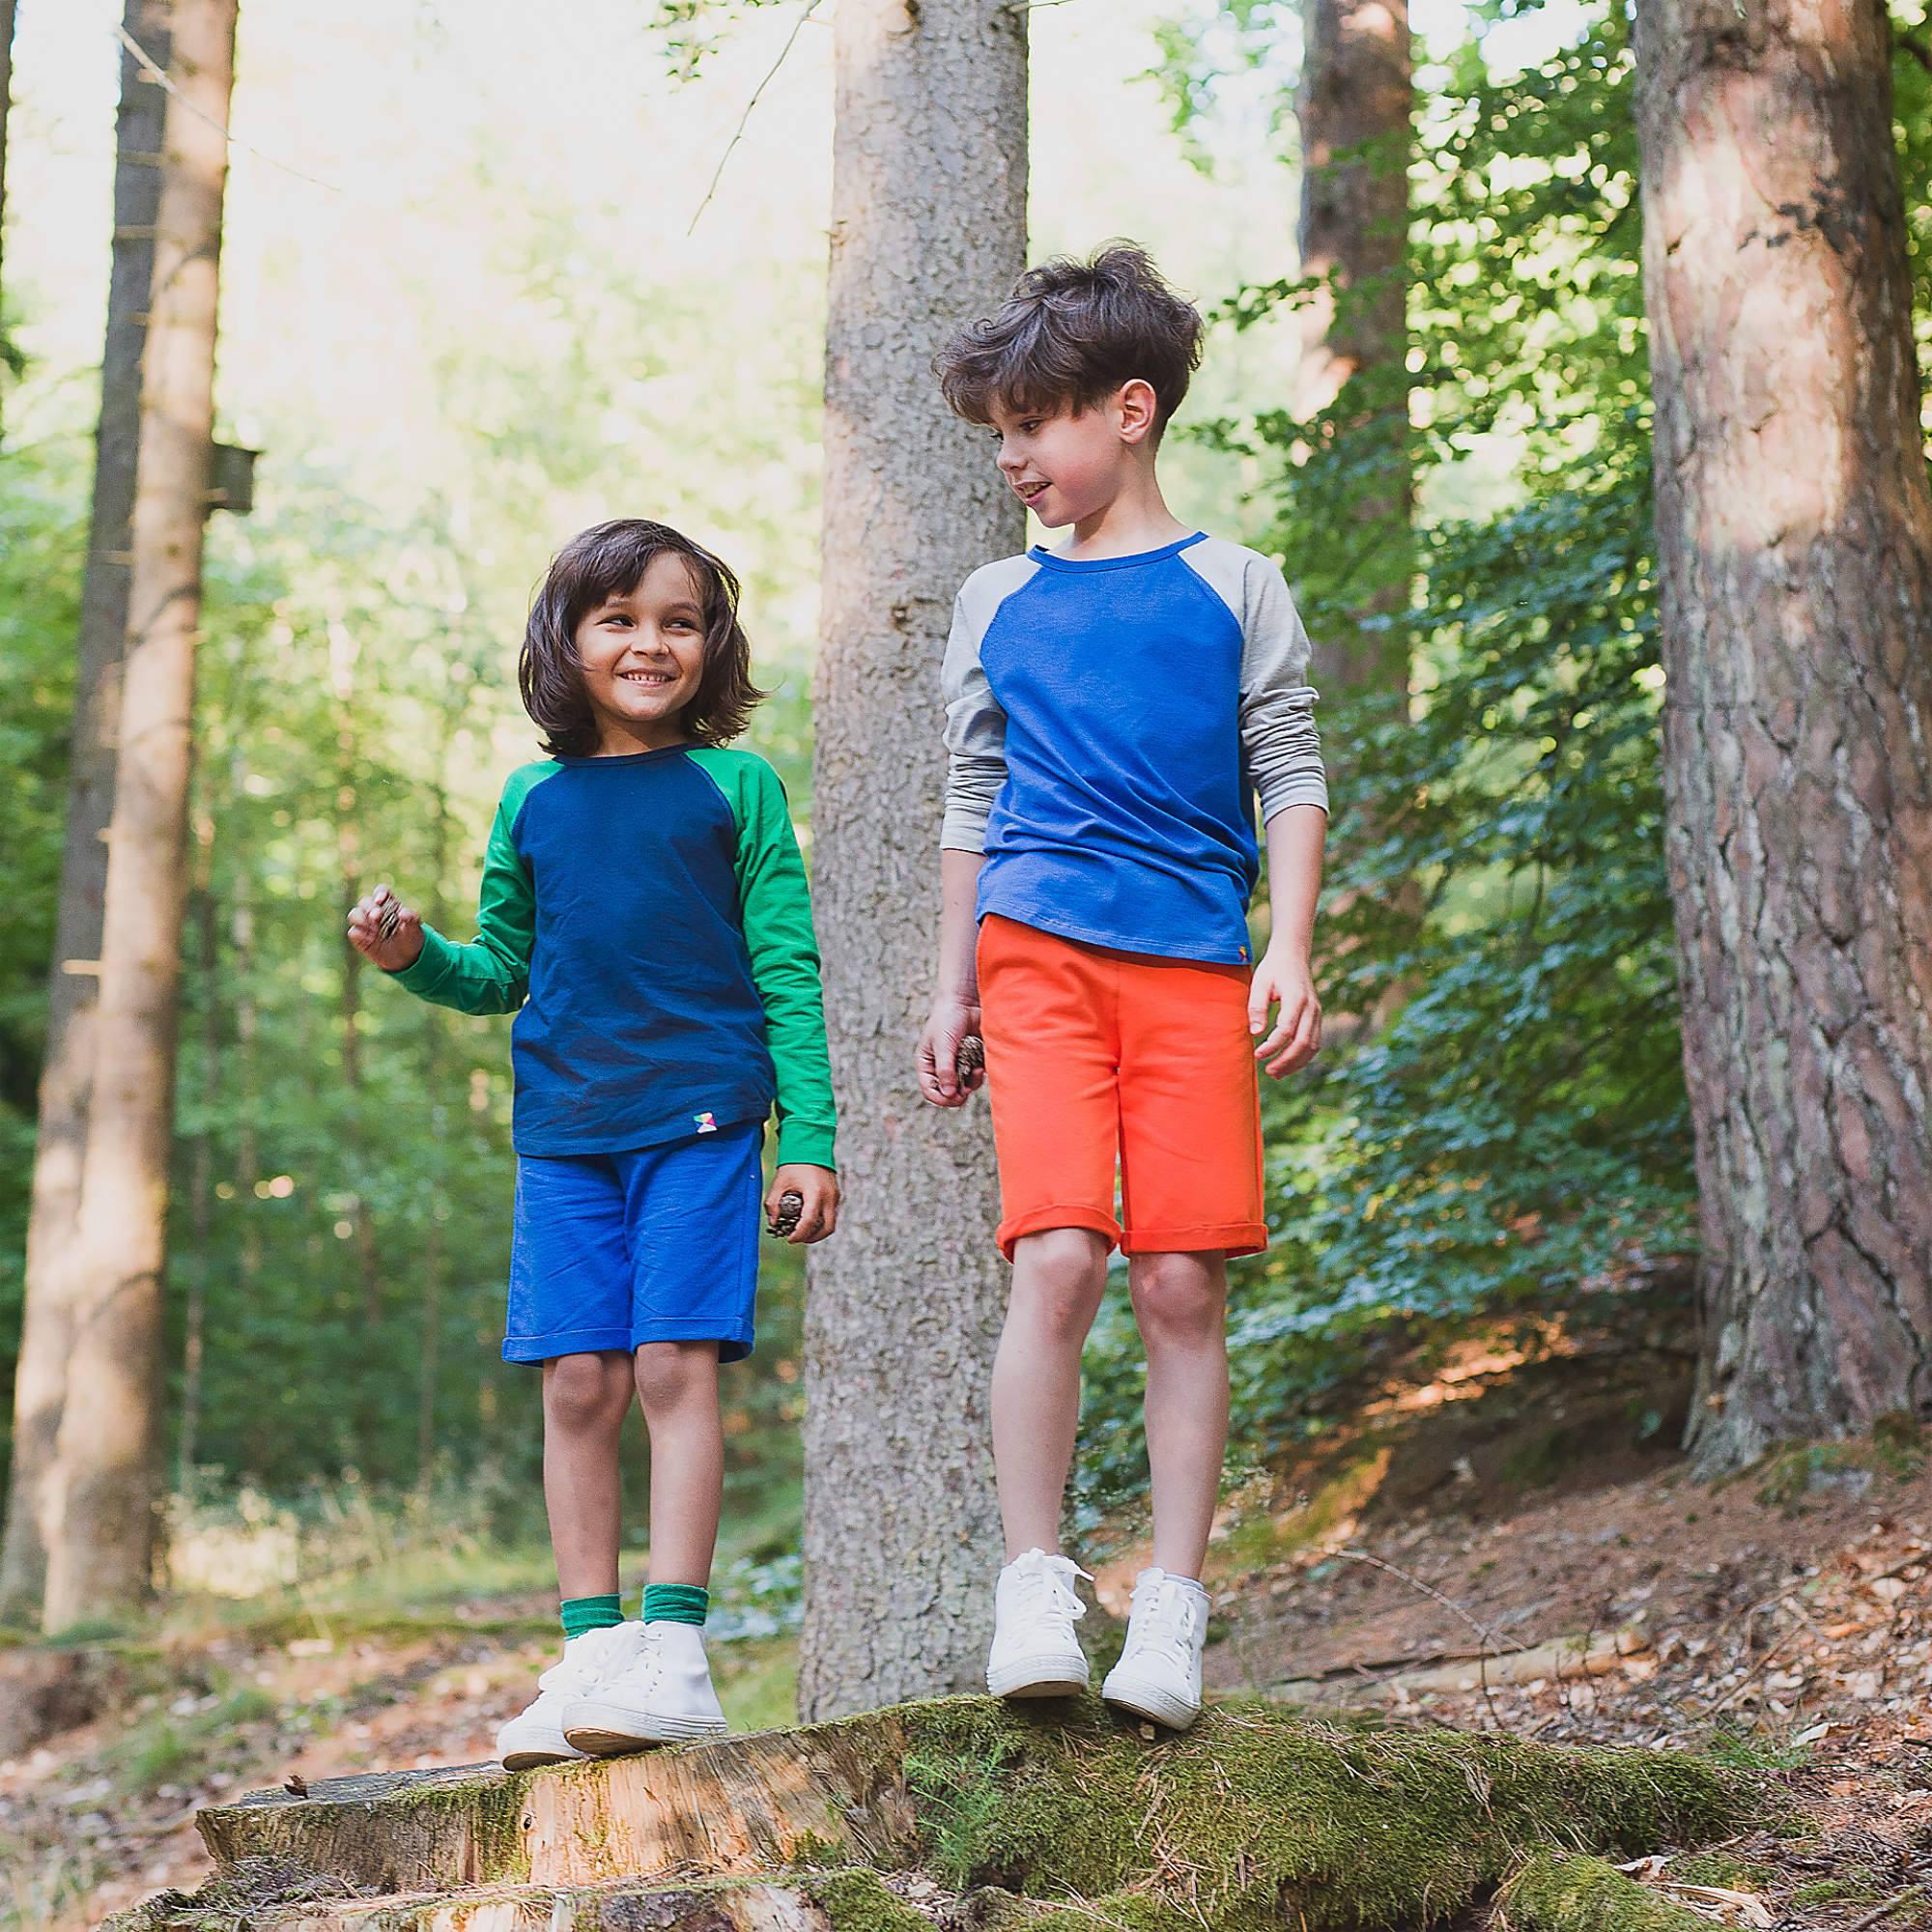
x=607, y=562
x=1072, y=332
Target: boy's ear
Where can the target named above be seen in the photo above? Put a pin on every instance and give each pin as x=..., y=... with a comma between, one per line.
x=1138, y=409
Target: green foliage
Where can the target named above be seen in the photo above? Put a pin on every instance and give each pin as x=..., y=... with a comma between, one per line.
x=1507, y=1123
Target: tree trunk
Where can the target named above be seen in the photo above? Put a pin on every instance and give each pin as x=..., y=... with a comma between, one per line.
x=343, y=654
x=928, y=227
x=1793, y=534
x=1355, y=106
x=201, y=1170
x=7, y=12
x=101, y=1557
x=61, y=1144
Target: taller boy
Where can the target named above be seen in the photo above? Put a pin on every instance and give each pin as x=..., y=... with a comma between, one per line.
x=1110, y=708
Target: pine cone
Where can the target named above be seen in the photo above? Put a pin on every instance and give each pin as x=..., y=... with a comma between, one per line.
x=791, y=1212
x=970, y=1056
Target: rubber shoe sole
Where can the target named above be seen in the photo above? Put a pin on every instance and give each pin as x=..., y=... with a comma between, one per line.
x=540, y=1747
x=598, y=1731
x=1140, y=1698
x=1039, y=1676
x=535, y=1759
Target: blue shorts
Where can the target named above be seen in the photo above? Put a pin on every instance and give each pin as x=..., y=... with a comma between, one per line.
x=656, y=1245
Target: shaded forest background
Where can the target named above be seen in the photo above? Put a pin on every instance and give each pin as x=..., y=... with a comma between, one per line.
x=452, y=364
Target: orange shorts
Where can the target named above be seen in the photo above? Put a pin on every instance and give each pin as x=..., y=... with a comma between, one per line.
x=1095, y=1058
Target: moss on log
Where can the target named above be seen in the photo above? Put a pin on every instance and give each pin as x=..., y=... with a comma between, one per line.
x=717, y=1905
x=1255, y=1819
x=1583, y=1895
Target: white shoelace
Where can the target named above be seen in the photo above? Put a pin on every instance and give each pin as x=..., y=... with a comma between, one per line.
x=1047, y=1588
x=1162, y=1619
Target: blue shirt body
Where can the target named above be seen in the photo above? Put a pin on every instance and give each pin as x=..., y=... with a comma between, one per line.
x=1109, y=721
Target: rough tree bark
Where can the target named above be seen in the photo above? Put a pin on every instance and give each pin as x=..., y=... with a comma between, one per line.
x=61, y=1143
x=1793, y=534
x=7, y=12
x=1355, y=108
x=928, y=227
x=105, y=1462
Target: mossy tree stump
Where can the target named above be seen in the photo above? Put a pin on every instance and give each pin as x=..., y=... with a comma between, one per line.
x=988, y=1815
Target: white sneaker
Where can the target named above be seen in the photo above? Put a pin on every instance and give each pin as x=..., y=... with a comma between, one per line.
x=535, y=1736
x=663, y=1696
x=1160, y=1672
x=1034, y=1652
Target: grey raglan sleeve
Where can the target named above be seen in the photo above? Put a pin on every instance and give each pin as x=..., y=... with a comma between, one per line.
x=1279, y=741
x=975, y=732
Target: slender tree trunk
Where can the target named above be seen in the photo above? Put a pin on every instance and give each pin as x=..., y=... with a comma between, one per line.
x=61, y=1144
x=7, y=11
x=1793, y=534
x=343, y=653
x=1355, y=106
x=435, y=1258
x=200, y=1168
x=928, y=227
x=101, y=1558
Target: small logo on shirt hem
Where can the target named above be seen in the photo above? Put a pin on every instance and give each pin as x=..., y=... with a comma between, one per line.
x=707, y=1123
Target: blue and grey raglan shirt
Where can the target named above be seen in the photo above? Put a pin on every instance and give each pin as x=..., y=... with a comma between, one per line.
x=1109, y=722
x=646, y=918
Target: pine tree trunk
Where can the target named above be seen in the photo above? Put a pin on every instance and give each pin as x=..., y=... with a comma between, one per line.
x=929, y=228
x=7, y=12
x=101, y=1557
x=1355, y=107
x=1793, y=534
x=200, y=1168
x=61, y=1144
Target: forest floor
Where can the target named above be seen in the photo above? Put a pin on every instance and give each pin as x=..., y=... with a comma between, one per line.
x=1499, y=1540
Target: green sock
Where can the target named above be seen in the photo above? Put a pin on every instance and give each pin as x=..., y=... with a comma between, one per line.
x=675, y=1604
x=591, y=1613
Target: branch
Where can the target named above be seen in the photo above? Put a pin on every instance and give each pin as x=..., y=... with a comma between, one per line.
x=738, y=133
x=146, y=63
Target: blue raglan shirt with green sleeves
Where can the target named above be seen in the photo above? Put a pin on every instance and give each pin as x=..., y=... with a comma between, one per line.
x=647, y=920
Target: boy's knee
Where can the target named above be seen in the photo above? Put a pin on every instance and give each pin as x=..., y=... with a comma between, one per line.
x=586, y=1391
x=1180, y=1300
x=670, y=1374
x=1064, y=1276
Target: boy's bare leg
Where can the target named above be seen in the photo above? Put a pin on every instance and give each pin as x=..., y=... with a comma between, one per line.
x=585, y=1399
x=677, y=1384
x=1181, y=1303
x=1059, y=1276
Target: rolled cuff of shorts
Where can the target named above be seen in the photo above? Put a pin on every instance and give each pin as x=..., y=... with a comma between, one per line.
x=1230, y=1238
x=533, y=1349
x=1038, y=1220
x=734, y=1341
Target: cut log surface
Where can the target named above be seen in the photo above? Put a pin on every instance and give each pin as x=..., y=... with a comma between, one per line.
x=960, y=1810
x=750, y=1804
x=622, y=1907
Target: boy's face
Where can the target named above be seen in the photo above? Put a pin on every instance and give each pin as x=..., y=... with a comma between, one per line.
x=1070, y=465
x=643, y=653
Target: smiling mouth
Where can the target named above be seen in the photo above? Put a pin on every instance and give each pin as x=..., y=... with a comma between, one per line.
x=1027, y=491
x=654, y=679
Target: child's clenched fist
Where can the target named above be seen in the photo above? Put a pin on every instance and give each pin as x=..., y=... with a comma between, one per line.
x=385, y=933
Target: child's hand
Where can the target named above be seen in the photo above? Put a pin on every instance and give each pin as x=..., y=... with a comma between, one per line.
x=938, y=1061
x=1297, y=1031
x=818, y=1189
x=385, y=933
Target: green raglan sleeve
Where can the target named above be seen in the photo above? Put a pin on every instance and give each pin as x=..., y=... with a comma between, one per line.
x=492, y=974
x=776, y=905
